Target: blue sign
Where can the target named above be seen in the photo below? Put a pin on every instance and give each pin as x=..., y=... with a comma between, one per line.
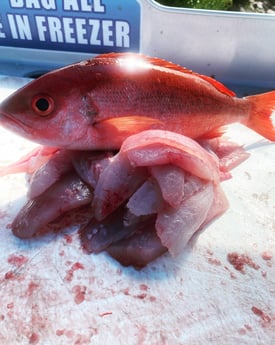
x=93, y=26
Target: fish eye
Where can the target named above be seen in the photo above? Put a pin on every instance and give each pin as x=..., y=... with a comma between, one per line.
x=43, y=105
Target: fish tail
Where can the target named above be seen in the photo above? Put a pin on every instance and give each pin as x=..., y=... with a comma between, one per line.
x=262, y=116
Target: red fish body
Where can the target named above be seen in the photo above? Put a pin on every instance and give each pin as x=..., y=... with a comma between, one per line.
x=97, y=104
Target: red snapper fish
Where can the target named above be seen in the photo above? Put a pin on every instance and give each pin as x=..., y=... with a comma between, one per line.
x=98, y=103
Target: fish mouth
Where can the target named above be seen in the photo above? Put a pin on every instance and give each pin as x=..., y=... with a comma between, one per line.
x=10, y=122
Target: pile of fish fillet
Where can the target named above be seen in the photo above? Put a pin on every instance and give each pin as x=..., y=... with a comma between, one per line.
x=148, y=198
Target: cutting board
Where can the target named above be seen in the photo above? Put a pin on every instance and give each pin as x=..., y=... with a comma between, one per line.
x=220, y=290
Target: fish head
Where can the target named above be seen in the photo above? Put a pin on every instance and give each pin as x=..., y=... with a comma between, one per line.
x=53, y=110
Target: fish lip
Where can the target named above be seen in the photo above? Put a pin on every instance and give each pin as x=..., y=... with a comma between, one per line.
x=8, y=120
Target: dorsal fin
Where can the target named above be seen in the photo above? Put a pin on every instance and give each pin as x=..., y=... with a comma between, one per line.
x=167, y=64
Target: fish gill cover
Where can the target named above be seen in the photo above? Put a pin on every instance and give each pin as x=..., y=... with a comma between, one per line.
x=85, y=26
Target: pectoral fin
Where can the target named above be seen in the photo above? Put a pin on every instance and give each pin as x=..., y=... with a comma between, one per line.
x=130, y=124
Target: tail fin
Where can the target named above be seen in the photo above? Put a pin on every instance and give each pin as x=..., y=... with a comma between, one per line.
x=262, y=117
